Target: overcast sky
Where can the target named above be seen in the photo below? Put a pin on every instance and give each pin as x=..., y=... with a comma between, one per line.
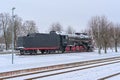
x=75, y=13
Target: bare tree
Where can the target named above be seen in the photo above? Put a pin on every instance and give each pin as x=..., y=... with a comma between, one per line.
x=17, y=31
x=4, y=22
x=94, y=25
x=115, y=29
x=106, y=35
x=100, y=27
x=1, y=39
x=9, y=35
x=29, y=27
x=20, y=28
x=104, y=32
x=70, y=30
x=0, y=28
x=56, y=27
x=17, y=28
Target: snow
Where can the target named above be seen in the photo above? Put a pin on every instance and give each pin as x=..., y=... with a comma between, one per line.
x=31, y=61
x=66, y=76
x=114, y=78
x=88, y=74
x=82, y=36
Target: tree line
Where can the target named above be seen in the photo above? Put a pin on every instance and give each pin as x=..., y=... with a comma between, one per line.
x=21, y=28
x=105, y=33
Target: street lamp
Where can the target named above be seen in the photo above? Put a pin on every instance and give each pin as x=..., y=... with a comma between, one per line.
x=13, y=34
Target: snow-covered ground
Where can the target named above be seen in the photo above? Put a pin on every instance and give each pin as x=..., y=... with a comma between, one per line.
x=28, y=61
x=89, y=74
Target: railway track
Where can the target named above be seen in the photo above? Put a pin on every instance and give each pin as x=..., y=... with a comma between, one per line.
x=109, y=76
x=57, y=73
x=69, y=67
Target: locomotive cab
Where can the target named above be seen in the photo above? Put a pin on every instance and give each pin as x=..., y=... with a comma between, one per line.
x=64, y=42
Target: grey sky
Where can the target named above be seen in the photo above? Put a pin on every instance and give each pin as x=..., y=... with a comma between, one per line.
x=75, y=13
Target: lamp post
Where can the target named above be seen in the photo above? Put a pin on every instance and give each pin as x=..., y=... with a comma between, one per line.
x=13, y=34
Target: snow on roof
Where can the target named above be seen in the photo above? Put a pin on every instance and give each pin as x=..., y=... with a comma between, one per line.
x=79, y=36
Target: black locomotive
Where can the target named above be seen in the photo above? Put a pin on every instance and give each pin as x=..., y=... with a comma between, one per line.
x=52, y=42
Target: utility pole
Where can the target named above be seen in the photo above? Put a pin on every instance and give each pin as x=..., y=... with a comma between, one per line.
x=13, y=34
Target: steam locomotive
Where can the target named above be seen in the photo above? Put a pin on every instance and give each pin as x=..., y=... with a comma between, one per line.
x=54, y=42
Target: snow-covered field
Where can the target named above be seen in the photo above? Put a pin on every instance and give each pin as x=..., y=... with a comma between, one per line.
x=28, y=61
